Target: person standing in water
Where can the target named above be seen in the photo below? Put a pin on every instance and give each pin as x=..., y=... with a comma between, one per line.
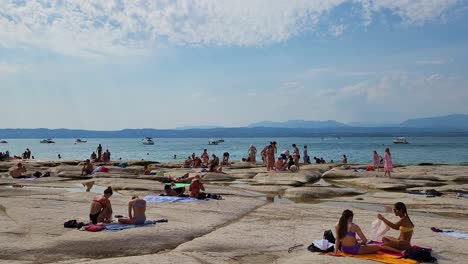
x=388, y=164
x=99, y=152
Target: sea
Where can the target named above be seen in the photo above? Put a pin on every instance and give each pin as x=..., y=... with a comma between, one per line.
x=445, y=150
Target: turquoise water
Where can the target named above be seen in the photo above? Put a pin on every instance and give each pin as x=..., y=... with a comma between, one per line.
x=358, y=149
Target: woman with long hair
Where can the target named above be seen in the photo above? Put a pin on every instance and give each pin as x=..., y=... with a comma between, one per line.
x=388, y=164
x=346, y=232
x=376, y=160
x=405, y=225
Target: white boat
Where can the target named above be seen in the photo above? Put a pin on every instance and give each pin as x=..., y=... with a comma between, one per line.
x=80, y=141
x=147, y=141
x=215, y=142
x=400, y=140
x=48, y=141
x=3, y=141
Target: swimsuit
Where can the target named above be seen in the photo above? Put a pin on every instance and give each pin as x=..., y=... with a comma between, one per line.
x=406, y=229
x=354, y=249
x=139, y=220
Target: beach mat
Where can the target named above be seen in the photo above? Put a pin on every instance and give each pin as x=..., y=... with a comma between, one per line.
x=379, y=257
x=178, y=185
x=168, y=199
x=114, y=227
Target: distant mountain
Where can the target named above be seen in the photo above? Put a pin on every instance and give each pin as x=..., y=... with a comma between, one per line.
x=370, y=124
x=244, y=132
x=449, y=121
x=197, y=127
x=299, y=124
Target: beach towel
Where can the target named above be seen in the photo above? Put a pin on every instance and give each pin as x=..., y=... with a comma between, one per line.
x=451, y=233
x=360, y=170
x=168, y=199
x=114, y=227
x=178, y=185
x=379, y=257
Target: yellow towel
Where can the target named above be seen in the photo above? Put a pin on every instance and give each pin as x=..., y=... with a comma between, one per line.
x=383, y=258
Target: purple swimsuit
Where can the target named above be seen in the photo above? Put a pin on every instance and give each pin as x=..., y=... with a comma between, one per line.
x=351, y=249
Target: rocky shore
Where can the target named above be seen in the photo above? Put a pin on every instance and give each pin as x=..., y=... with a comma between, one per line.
x=261, y=216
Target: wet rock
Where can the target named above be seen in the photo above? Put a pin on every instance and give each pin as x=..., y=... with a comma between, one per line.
x=318, y=192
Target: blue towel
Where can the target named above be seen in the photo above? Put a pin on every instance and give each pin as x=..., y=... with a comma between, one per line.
x=118, y=226
x=168, y=199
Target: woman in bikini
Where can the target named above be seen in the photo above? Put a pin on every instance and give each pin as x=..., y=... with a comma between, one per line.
x=136, y=212
x=346, y=232
x=403, y=242
x=101, y=209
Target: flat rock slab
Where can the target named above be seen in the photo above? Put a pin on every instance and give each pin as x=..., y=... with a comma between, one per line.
x=388, y=183
x=287, y=178
x=318, y=192
x=213, y=176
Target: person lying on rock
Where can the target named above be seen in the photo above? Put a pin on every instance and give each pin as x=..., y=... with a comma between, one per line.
x=88, y=168
x=405, y=225
x=346, y=232
x=101, y=208
x=169, y=191
x=136, y=212
x=18, y=171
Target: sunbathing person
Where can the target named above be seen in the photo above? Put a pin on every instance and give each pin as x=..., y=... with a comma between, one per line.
x=196, y=188
x=405, y=225
x=188, y=162
x=174, y=192
x=205, y=157
x=18, y=171
x=280, y=165
x=197, y=162
x=88, y=168
x=225, y=161
x=136, y=212
x=214, y=164
x=101, y=209
x=346, y=232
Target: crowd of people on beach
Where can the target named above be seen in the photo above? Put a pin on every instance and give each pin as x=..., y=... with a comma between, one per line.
x=204, y=161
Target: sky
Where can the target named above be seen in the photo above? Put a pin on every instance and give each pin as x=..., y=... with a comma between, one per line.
x=115, y=64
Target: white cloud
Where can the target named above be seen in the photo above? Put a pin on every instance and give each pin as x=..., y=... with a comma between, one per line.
x=93, y=28
x=312, y=72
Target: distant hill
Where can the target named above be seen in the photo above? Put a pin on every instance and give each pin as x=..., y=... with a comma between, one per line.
x=449, y=121
x=197, y=127
x=299, y=124
x=346, y=131
x=370, y=124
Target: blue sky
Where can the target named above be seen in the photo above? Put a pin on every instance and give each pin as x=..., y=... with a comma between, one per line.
x=163, y=64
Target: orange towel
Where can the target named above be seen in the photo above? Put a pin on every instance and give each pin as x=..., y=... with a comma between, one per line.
x=379, y=257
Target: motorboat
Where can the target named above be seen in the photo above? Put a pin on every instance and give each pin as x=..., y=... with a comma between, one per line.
x=147, y=141
x=400, y=140
x=47, y=141
x=80, y=141
x=3, y=141
x=215, y=142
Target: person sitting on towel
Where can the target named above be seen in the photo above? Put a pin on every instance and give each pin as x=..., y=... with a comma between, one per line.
x=136, y=212
x=196, y=188
x=174, y=192
x=346, y=232
x=18, y=171
x=405, y=225
x=101, y=208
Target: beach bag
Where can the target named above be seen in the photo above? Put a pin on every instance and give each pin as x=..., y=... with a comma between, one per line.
x=378, y=230
x=104, y=169
x=369, y=168
x=420, y=254
x=70, y=224
x=321, y=245
x=94, y=228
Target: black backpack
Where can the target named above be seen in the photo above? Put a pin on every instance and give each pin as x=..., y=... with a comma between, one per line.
x=328, y=235
x=419, y=254
x=70, y=224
